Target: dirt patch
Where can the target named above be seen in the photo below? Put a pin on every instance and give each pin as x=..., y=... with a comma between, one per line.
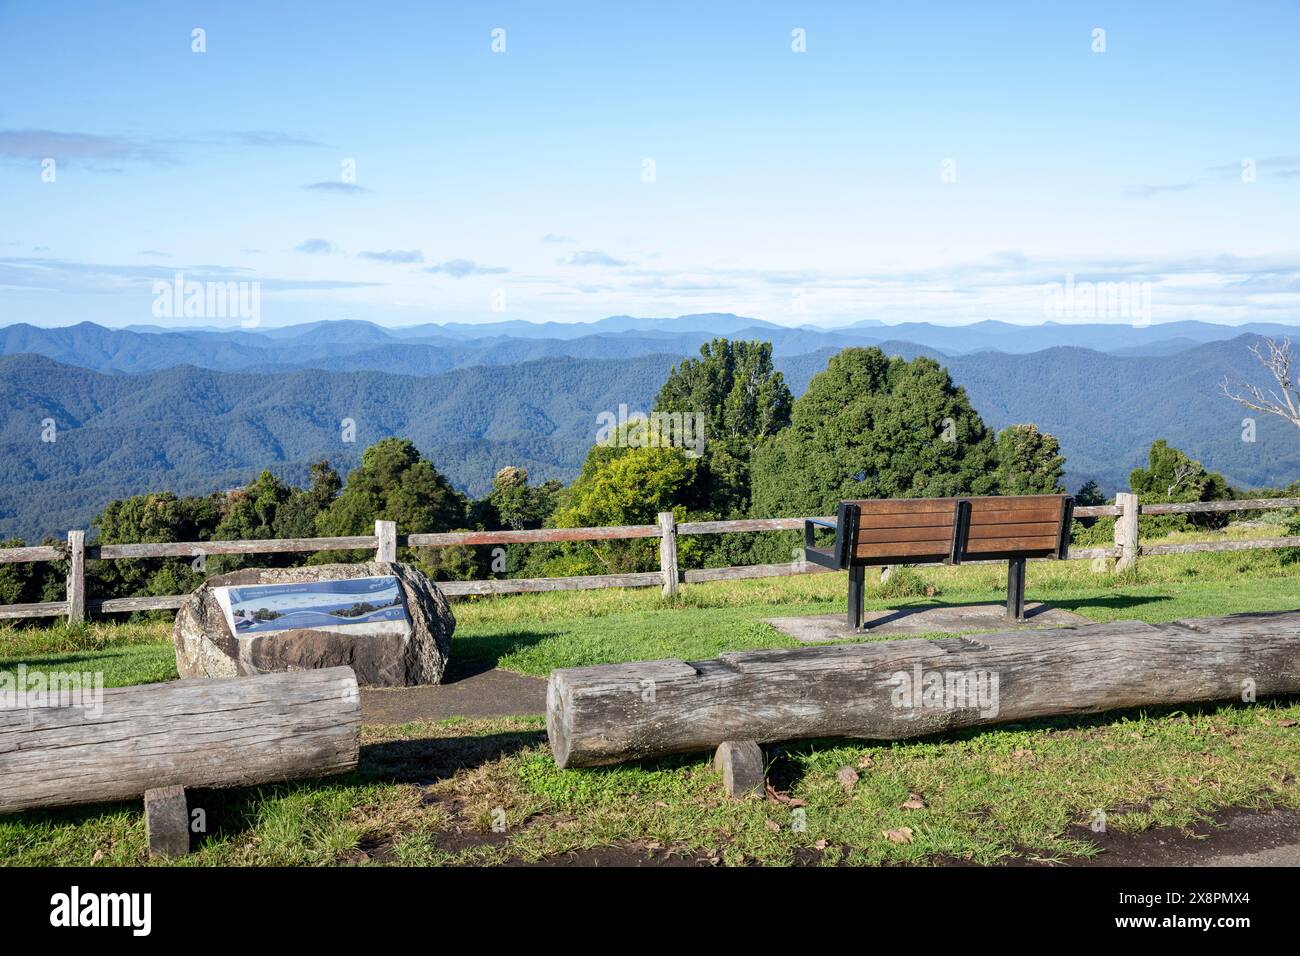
x=1238, y=837
x=463, y=693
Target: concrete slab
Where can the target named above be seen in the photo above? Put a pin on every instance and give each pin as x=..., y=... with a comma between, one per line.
x=925, y=619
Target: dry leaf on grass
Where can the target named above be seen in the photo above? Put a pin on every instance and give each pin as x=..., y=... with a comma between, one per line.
x=900, y=835
x=848, y=778
x=776, y=796
x=914, y=801
x=773, y=826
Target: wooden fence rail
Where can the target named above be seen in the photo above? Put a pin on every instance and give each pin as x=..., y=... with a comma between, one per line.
x=385, y=541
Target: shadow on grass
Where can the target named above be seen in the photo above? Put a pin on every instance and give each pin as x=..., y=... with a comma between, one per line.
x=429, y=760
x=1112, y=601
x=786, y=768
x=473, y=654
x=903, y=607
x=61, y=660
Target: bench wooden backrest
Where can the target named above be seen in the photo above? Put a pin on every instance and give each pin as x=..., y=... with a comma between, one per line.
x=1021, y=526
x=923, y=530
x=900, y=530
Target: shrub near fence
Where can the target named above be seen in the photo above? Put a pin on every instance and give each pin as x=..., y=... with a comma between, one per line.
x=1126, y=549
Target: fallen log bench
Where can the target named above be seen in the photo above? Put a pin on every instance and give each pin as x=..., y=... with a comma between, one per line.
x=891, y=690
x=120, y=743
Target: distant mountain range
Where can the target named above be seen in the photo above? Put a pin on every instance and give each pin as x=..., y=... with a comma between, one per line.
x=183, y=422
x=431, y=349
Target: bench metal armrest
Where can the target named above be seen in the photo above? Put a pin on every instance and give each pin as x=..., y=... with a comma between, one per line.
x=809, y=538
x=823, y=557
x=840, y=555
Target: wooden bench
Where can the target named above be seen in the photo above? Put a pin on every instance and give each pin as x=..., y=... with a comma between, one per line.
x=943, y=530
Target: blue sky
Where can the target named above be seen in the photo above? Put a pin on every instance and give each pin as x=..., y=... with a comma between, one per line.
x=791, y=186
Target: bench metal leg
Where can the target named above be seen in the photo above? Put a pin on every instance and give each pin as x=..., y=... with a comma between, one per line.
x=1016, y=590
x=857, y=578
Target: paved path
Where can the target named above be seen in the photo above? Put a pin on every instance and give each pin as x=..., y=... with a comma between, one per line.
x=1245, y=838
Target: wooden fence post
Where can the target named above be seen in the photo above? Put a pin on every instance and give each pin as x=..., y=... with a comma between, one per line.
x=386, y=532
x=1126, y=531
x=76, y=577
x=668, y=552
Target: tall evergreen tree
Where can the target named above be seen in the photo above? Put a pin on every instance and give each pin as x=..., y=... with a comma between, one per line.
x=871, y=426
x=394, y=483
x=743, y=400
x=1029, y=462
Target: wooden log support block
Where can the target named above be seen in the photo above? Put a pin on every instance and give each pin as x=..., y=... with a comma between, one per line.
x=167, y=821
x=741, y=764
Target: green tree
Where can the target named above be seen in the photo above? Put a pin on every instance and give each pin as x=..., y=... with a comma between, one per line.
x=393, y=483
x=1029, y=462
x=251, y=511
x=627, y=482
x=742, y=400
x=271, y=508
x=28, y=582
x=1172, y=476
x=516, y=505
x=871, y=426
x=1089, y=495
x=153, y=517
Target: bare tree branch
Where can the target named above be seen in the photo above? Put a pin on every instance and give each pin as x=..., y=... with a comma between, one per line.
x=1276, y=357
x=1182, y=473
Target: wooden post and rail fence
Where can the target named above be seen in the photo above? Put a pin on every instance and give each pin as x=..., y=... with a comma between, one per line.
x=1126, y=550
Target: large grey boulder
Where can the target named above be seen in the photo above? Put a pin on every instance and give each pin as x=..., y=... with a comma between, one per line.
x=404, y=649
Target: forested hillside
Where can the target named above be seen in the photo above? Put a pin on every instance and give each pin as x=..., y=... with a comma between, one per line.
x=194, y=430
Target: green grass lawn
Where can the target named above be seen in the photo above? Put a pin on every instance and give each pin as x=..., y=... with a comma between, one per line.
x=430, y=793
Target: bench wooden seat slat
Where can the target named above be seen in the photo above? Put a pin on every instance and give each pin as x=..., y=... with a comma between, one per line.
x=906, y=506
x=1011, y=548
x=936, y=533
x=876, y=552
x=1013, y=516
x=1025, y=529
x=922, y=520
x=1012, y=502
